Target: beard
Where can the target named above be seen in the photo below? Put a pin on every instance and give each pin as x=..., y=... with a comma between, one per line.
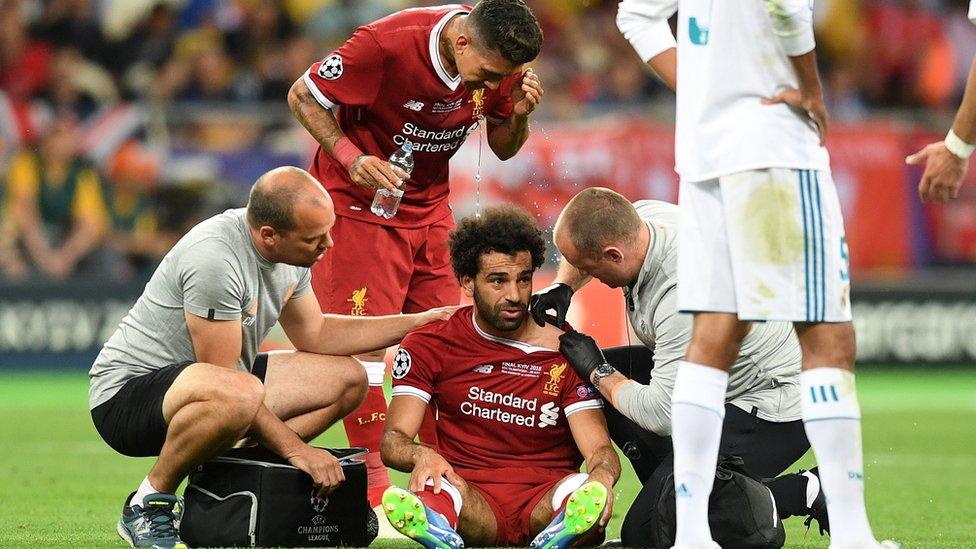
x=492, y=315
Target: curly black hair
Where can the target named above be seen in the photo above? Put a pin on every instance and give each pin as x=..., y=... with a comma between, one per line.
x=506, y=229
x=509, y=27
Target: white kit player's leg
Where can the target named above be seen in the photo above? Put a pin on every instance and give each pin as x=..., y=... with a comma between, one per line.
x=832, y=418
x=697, y=411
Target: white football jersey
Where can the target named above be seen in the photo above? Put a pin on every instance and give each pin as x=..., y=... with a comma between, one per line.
x=729, y=59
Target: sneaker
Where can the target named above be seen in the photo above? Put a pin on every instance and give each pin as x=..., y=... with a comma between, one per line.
x=580, y=514
x=418, y=522
x=152, y=524
x=818, y=508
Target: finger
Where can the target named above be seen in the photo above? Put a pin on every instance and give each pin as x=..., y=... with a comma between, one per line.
x=415, y=483
x=554, y=320
x=778, y=98
x=538, y=315
x=437, y=484
x=379, y=179
x=924, y=188
x=918, y=158
x=561, y=317
x=454, y=478
x=389, y=175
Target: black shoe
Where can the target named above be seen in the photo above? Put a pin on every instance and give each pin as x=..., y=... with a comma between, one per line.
x=818, y=510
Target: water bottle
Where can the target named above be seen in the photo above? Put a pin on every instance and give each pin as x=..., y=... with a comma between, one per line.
x=386, y=202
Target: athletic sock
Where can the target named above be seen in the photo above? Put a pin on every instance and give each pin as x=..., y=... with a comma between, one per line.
x=566, y=488
x=364, y=428
x=145, y=489
x=832, y=419
x=447, y=503
x=697, y=411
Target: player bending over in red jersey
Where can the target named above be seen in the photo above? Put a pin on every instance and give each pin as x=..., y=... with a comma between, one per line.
x=514, y=422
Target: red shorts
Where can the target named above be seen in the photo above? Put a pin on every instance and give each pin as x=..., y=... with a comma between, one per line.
x=512, y=505
x=378, y=270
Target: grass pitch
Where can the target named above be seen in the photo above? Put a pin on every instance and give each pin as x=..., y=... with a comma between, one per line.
x=63, y=487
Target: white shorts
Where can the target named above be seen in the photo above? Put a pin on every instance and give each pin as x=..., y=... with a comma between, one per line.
x=764, y=244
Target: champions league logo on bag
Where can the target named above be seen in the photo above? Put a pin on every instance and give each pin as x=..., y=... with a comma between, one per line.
x=318, y=504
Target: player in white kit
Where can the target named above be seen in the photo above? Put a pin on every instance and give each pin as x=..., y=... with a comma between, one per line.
x=947, y=161
x=762, y=236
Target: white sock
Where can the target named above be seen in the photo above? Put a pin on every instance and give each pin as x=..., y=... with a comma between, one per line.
x=374, y=372
x=832, y=419
x=697, y=411
x=566, y=488
x=145, y=489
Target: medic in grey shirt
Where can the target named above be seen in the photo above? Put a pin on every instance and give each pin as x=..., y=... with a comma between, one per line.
x=601, y=235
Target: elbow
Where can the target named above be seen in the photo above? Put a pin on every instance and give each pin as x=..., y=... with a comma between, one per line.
x=294, y=95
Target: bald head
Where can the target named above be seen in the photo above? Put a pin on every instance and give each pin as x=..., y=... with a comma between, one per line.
x=595, y=218
x=276, y=193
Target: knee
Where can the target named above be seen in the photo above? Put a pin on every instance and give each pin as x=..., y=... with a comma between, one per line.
x=239, y=396
x=355, y=384
x=828, y=345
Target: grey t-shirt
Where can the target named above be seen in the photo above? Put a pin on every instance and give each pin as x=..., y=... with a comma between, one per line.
x=213, y=272
x=766, y=374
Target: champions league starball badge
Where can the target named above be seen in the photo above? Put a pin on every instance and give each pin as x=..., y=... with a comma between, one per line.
x=331, y=67
x=401, y=364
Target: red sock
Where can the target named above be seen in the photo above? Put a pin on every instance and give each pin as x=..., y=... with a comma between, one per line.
x=364, y=427
x=442, y=503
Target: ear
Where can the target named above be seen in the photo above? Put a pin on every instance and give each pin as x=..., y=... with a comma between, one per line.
x=613, y=254
x=467, y=284
x=267, y=234
x=461, y=42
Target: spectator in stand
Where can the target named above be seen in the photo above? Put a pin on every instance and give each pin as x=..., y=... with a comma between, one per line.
x=135, y=235
x=58, y=203
x=24, y=62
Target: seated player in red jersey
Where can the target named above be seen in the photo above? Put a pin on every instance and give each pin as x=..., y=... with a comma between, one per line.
x=514, y=422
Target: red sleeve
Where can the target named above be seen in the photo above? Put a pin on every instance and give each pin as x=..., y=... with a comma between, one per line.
x=414, y=368
x=578, y=395
x=501, y=106
x=351, y=75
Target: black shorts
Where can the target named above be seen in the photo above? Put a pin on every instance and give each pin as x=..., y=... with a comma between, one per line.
x=132, y=421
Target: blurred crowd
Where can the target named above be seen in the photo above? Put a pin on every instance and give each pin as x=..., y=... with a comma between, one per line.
x=96, y=95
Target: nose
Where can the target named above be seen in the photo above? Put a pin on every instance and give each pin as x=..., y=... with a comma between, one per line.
x=327, y=243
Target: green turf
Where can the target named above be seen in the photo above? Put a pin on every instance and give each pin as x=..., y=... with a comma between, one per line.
x=62, y=486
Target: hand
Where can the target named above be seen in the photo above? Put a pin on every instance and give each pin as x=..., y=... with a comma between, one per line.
x=321, y=465
x=943, y=175
x=373, y=173
x=608, y=510
x=56, y=266
x=555, y=297
x=582, y=352
x=526, y=93
x=812, y=105
x=431, y=465
x=437, y=313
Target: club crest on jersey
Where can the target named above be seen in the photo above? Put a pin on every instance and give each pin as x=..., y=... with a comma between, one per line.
x=478, y=98
x=358, y=301
x=556, y=373
x=401, y=364
x=331, y=67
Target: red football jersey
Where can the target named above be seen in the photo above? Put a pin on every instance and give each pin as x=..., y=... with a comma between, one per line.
x=386, y=85
x=501, y=404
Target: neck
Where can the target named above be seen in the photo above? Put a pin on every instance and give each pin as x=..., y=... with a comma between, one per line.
x=445, y=43
x=522, y=333
x=644, y=240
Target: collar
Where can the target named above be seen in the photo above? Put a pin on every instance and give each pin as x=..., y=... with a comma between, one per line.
x=435, y=57
x=524, y=347
x=262, y=261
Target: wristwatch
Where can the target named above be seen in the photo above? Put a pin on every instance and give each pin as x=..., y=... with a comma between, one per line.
x=600, y=372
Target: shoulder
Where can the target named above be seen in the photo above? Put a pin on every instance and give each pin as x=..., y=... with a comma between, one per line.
x=439, y=333
x=657, y=211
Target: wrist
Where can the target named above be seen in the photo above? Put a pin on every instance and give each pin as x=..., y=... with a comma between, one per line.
x=346, y=152
x=957, y=146
x=602, y=371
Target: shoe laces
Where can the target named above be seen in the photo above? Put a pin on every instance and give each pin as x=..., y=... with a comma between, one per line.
x=161, y=521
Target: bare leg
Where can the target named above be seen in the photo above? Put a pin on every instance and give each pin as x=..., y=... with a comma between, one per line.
x=310, y=392
x=206, y=409
x=716, y=339
x=476, y=523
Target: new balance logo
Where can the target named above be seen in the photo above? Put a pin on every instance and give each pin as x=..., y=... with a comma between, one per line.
x=413, y=105
x=484, y=369
x=549, y=414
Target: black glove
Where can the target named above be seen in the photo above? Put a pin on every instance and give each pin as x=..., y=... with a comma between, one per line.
x=554, y=297
x=582, y=352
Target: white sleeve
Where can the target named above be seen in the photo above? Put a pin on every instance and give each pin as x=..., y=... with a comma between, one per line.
x=793, y=24
x=644, y=23
x=972, y=11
